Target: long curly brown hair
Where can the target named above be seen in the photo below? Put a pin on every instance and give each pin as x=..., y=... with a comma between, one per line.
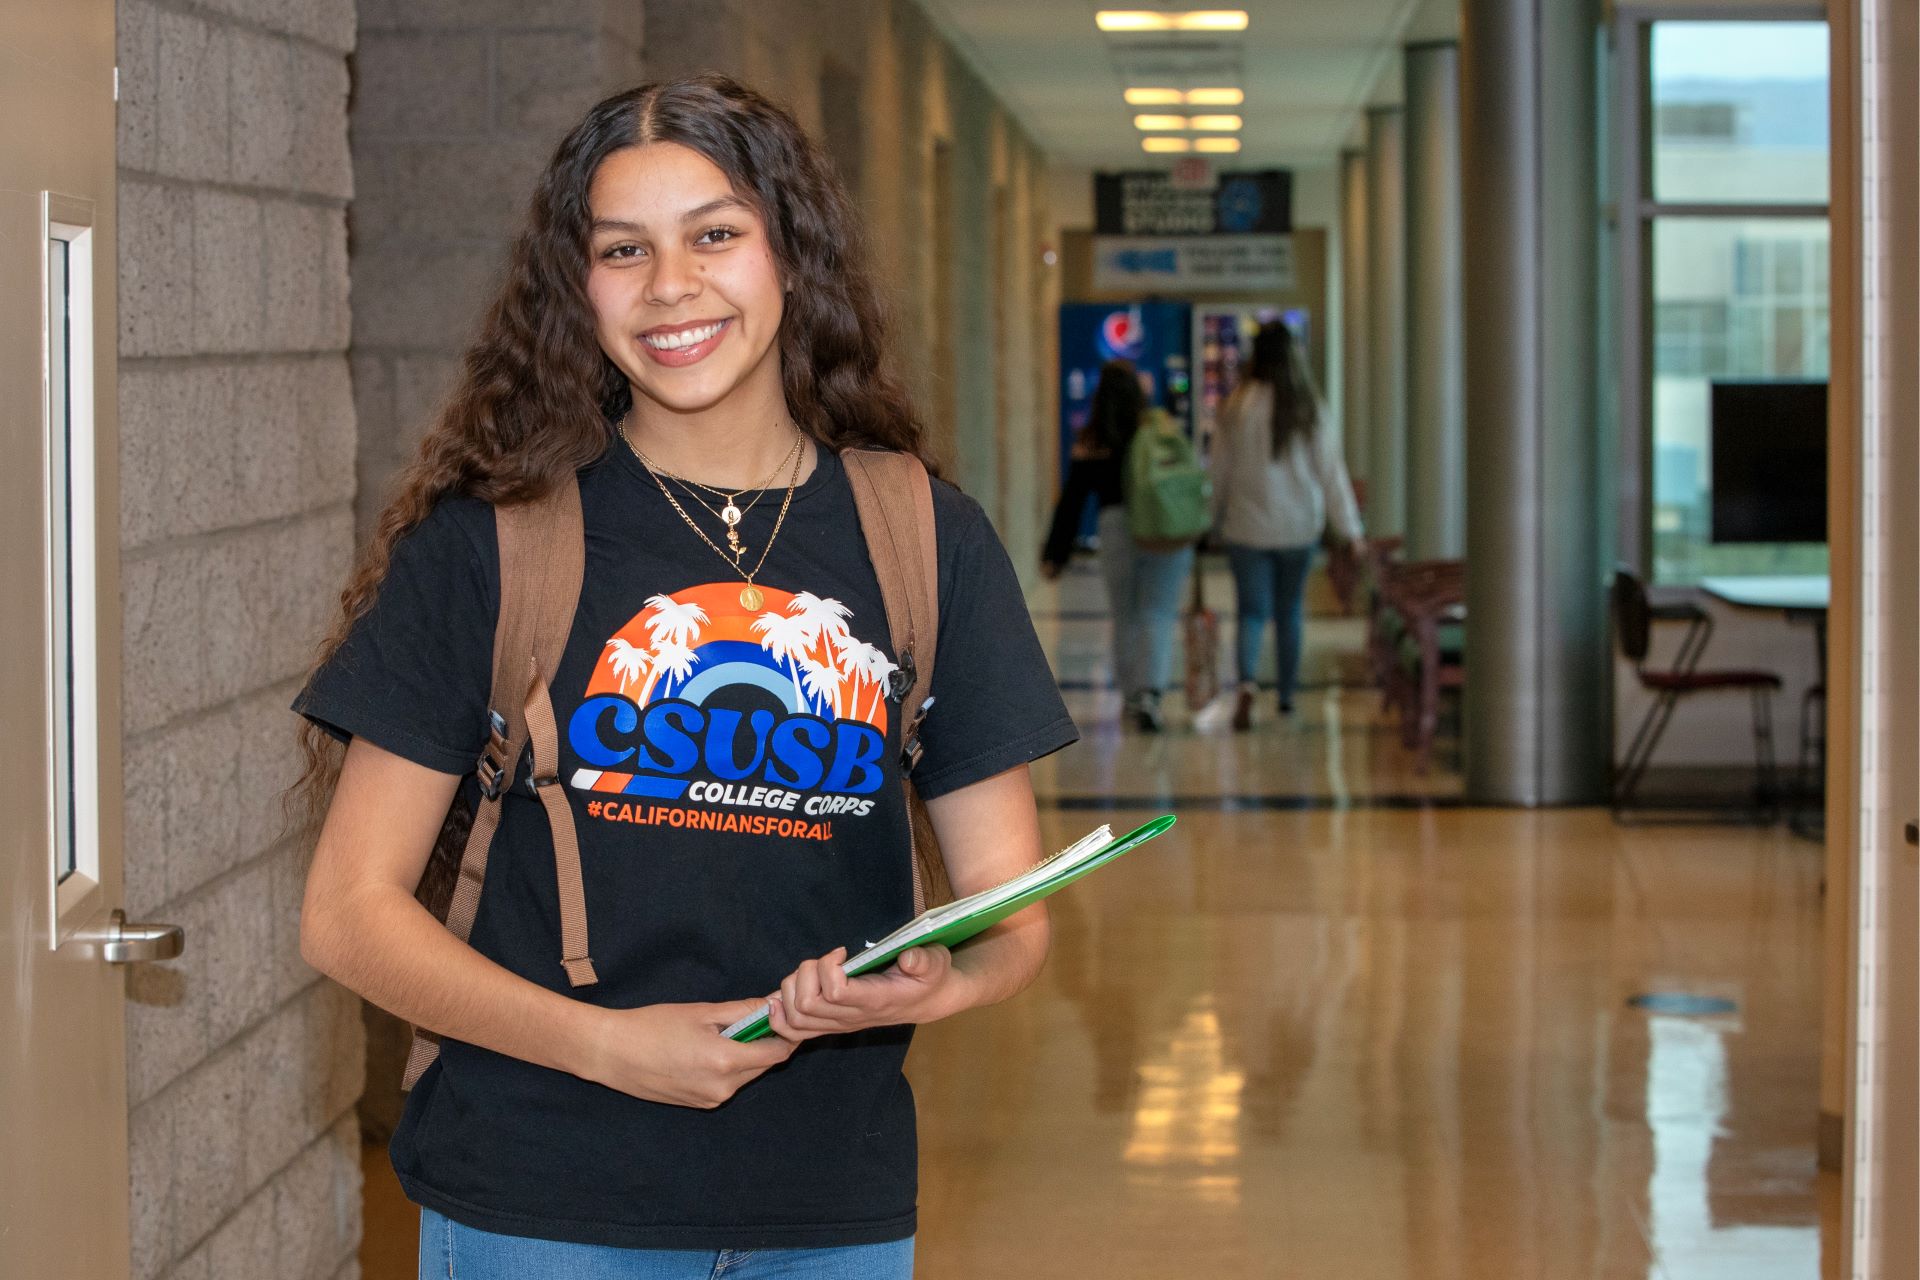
x=537, y=398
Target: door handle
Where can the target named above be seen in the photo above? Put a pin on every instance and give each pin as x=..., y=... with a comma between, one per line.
x=124, y=943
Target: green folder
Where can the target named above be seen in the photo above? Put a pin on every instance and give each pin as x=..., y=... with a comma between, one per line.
x=954, y=923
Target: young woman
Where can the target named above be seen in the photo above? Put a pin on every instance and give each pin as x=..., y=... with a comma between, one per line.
x=1143, y=585
x=1278, y=482
x=686, y=327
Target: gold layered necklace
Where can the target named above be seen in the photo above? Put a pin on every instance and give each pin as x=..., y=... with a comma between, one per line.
x=730, y=515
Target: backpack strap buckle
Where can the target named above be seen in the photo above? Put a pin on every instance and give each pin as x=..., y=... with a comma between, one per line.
x=900, y=679
x=910, y=747
x=491, y=768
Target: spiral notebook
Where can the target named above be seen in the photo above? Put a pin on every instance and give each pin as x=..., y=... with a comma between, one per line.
x=955, y=922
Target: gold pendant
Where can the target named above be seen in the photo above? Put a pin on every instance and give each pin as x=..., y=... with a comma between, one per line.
x=751, y=597
x=731, y=515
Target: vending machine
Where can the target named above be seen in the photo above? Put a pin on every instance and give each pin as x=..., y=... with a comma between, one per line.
x=1156, y=337
x=1222, y=342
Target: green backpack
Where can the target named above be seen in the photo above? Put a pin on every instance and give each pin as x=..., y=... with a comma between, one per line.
x=1169, y=494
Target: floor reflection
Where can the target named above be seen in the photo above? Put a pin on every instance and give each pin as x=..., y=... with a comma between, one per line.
x=1372, y=1038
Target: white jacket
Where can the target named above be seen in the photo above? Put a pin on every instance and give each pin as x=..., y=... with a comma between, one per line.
x=1271, y=503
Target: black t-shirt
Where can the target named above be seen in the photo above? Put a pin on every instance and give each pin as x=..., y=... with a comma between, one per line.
x=734, y=776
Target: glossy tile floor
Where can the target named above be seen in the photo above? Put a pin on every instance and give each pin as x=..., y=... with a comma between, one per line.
x=1336, y=1025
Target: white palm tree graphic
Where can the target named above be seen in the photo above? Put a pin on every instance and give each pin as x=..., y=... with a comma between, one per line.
x=848, y=656
x=875, y=667
x=673, y=622
x=821, y=617
x=674, y=661
x=628, y=663
x=822, y=682
x=785, y=637
x=858, y=662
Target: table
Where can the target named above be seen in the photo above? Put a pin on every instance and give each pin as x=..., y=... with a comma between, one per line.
x=1802, y=598
x=1804, y=592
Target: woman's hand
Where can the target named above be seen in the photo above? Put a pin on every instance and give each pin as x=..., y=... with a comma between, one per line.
x=674, y=1053
x=819, y=999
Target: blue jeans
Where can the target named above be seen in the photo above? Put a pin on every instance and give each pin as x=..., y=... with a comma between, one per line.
x=1270, y=586
x=450, y=1249
x=1143, y=590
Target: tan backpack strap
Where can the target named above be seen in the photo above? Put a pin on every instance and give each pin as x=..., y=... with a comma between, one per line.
x=542, y=562
x=894, y=498
x=566, y=840
x=565, y=538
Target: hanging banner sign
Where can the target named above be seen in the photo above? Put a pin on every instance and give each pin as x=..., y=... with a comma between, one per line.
x=1193, y=264
x=1149, y=202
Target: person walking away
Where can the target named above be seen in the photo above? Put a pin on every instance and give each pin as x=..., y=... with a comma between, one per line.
x=1278, y=484
x=1142, y=585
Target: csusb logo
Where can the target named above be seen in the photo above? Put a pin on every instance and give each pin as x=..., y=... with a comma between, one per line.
x=752, y=698
x=664, y=746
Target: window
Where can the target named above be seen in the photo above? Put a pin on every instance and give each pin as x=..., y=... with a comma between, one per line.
x=67, y=371
x=1739, y=112
x=1729, y=182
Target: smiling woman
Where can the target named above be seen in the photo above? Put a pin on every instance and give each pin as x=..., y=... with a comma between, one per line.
x=687, y=339
x=684, y=278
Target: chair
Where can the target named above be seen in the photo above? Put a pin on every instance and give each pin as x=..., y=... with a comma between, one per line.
x=1382, y=555
x=1414, y=613
x=1429, y=596
x=1634, y=614
x=1807, y=816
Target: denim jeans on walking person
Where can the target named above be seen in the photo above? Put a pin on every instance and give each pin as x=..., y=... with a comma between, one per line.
x=451, y=1249
x=1270, y=586
x=1143, y=590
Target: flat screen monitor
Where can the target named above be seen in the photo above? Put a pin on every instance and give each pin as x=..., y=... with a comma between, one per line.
x=1769, y=461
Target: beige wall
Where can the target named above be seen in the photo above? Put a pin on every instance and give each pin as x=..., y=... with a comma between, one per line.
x=237, y=445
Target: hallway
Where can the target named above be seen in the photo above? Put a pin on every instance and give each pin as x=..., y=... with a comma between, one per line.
x=1366, y=1037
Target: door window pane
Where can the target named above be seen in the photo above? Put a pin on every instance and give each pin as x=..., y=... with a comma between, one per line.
x=1733, y=298
x=60, y=421
x=1739, y=112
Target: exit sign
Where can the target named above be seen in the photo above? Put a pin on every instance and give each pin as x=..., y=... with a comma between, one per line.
x=1193, y=173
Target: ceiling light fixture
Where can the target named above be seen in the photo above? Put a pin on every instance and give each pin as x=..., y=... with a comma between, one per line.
x=1216, y=145
x=1163, y=144
x=1141, y=96
x=1214, y=124
x=1128, y=20
x=1159, y=124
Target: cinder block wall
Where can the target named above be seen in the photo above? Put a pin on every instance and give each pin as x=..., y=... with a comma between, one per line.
x=237, y=436
x=457, y=105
